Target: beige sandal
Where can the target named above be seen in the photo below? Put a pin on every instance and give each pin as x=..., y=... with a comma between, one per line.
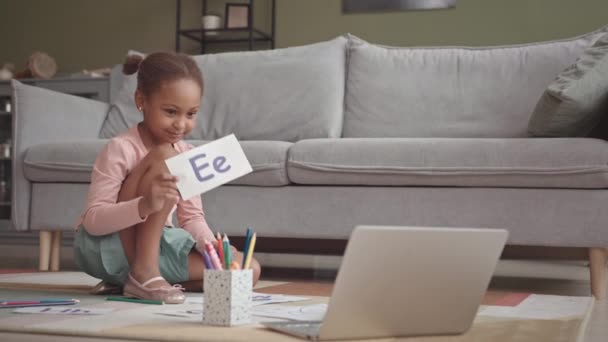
x=167, y=294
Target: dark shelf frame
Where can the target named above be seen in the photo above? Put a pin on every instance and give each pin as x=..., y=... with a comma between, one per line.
x=251, y=35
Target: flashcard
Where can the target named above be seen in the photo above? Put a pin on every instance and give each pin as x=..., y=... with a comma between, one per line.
x=208, y=166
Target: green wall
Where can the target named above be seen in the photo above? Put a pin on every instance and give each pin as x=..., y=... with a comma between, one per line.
x=91, y=34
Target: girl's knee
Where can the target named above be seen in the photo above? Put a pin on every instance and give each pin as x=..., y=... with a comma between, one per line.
x=140, y=177
x=161, y=152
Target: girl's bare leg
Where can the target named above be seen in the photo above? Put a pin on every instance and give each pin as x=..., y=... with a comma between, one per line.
x=141, y=243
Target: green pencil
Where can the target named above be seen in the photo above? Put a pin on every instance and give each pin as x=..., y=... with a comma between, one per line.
x=135, y=300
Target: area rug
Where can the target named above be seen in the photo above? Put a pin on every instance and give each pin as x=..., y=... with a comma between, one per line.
x=77, y=281
x=142, y=322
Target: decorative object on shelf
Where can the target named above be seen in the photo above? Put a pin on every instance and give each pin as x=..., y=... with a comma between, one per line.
x=6, y=72
x=5, y=150
x=362, y=6
x=211, y=22
x=39, y=65
x=238, y=26
x=4, y=191
x=101, y=72
x=237, y=15
x=6, y=106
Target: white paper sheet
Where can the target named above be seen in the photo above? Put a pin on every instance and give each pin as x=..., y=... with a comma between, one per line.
x=258, y=299
x=314, y=312
x=263, y=299
x=208, y=166
x=139, y=314
x=53, y=310
x=193, y=306
x=190, y=311
x=542, y=307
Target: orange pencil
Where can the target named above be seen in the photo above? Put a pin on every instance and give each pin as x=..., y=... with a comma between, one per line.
x=220, y=247
x=235, y=265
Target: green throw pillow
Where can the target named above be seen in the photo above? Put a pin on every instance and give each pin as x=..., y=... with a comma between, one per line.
x=574, y=102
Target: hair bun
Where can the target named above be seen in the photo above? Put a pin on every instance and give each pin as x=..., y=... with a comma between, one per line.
x=131, y=64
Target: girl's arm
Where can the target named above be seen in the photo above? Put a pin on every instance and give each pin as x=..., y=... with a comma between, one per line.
x=103, y=214
x=191, y=217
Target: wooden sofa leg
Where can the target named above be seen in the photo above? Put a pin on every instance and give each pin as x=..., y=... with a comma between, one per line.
x=597, y=269
x=44, y=250
x=55, y=250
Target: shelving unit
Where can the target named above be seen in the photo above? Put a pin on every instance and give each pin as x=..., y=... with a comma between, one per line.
x=93, y=88
x=5, y=163
x=250, y=35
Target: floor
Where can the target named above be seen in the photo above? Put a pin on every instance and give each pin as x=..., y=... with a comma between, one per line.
x=597, y=328
x=547, y=277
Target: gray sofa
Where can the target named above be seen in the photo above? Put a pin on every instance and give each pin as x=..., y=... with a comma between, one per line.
x=346, y=132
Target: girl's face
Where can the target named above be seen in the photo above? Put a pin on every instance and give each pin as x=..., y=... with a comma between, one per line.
x=170, y=112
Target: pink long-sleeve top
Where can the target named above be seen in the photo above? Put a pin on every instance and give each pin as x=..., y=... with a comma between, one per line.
x=104, y=214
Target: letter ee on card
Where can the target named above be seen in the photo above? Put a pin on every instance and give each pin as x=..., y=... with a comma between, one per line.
x=208, y=166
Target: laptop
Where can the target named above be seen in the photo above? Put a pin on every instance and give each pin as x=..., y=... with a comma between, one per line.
x=406, y=281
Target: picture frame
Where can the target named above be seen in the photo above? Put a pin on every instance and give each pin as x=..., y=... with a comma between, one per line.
x=366, y=6
x=237, y=16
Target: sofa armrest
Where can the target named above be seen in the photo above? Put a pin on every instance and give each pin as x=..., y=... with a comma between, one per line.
x=44, y=116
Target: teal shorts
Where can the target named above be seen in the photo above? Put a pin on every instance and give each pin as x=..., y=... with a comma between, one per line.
x=103, y=256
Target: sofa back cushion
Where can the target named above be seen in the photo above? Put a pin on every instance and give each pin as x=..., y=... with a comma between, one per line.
x=577, y=99
x=451, y=91
x=285, y=94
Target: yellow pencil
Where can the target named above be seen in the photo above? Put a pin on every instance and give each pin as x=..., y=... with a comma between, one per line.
x=249, y=252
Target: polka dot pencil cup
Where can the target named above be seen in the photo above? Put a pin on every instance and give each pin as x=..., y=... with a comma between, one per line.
x=227, y=297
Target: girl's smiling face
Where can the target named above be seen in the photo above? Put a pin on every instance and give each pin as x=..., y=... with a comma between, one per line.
x=170, y=112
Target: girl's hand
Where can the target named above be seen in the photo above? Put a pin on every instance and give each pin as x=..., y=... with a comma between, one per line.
x=162, y=191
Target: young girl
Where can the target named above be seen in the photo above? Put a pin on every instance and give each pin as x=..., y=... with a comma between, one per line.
x=125, y=235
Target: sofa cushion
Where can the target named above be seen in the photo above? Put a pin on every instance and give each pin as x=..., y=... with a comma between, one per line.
x=465, y=162
x=72, y=162
x=451, y=91
x=574, y=102
x=285, y=94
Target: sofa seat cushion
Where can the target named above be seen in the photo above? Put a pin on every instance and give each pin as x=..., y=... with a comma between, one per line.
x=72, y=162
x=459, y=162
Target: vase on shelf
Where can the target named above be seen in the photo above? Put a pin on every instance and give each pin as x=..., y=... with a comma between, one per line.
x=211, y=22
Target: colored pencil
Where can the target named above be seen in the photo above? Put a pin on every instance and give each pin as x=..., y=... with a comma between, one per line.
x=215, y=260
x=220, y=248
x=245, y=248
x=135, y=300
x=37, y=301
x=250, y=249
x=227, y=252
x=207, y=261
x=30, y=303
